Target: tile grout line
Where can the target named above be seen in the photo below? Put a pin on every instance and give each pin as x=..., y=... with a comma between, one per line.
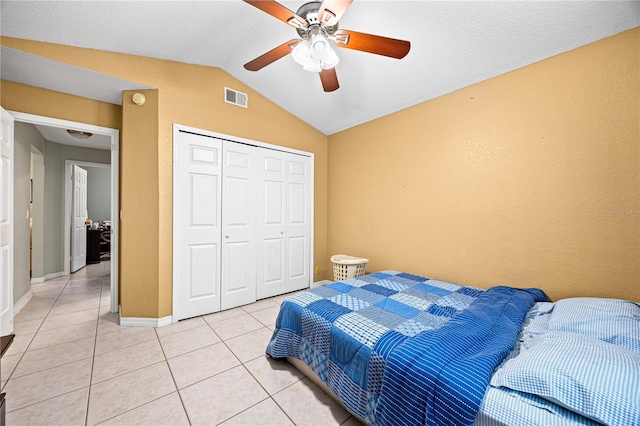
x=71, y=284
x=93, y=358
x=45, y=400
x=123, y=347
x=166, y=360
x=23, y=354
x=241, y=365
x=267, y=392
x=49, y=368
x=34, y=336
x=29, y=345
x=269, y=396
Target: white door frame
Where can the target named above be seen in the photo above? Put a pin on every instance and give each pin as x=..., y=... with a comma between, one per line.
x=176, y=254
x=114, y=134
x=6, y=275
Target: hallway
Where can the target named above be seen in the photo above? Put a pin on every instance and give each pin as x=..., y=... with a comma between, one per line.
x=72, y=364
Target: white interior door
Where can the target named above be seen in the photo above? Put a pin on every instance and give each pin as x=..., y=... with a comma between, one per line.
x=6, y=224
x=298, y=230
x=197, y=224
x=238, y=225
x=79, y=216
x=271, y=208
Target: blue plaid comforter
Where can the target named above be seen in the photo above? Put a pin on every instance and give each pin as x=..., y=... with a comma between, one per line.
x=401, y=349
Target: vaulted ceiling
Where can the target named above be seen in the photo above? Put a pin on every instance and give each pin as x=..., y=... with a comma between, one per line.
x=453, y=44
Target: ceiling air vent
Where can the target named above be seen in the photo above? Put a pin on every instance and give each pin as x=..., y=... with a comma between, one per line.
x=234, y=97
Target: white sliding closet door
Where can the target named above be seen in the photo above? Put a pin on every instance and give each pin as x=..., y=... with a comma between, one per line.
x=298, y=230
x=242, y=222
x=272, y=223
x=198, y=224
x=238, y=225
x=284, y=223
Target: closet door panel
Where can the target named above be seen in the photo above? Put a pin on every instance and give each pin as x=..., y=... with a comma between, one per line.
x=198, y=224
x=201, y=284
x=236, y=265
x=239, y=225
x=298, y=230
x=298, y=267
x=272, y=255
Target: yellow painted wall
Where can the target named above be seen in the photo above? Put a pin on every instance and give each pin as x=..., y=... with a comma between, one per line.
x=528, y=179
x=139, y=260
x=34, y=100
x=191, y=95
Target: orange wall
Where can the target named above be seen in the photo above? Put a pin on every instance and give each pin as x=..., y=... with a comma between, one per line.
x=191, y=95
x=34, y=100
x=527, y=179
x=139, y=260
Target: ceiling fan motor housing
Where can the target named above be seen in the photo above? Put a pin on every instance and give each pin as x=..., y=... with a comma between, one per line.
x=309, y=12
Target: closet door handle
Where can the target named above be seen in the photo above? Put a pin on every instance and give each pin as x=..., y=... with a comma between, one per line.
x=281, y=232
x=226, y=236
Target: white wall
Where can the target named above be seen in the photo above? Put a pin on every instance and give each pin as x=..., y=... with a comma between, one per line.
x=98, y=193
x=25, y=136
x=37, y=216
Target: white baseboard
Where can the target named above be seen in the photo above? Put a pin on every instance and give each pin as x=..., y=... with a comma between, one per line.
x=145, y=322
x=38, y=280
x=21, y=302
x=54, y=275
x=320, y=283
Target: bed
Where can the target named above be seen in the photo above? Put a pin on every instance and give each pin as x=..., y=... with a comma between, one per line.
x=401, y=349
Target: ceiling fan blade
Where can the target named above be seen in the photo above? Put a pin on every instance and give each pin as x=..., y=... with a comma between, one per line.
x=271, y=56
x=379, y=45
x=278, y=11
x=332, y=10
x=329, y=80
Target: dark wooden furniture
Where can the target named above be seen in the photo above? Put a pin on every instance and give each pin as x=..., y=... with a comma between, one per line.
x=93, y=245
x=5, y=342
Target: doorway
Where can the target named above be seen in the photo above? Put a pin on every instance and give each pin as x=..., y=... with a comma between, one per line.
x=98, y=192
x=114, y=135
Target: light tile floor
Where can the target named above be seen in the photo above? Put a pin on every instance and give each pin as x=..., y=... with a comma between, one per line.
x=72, y=364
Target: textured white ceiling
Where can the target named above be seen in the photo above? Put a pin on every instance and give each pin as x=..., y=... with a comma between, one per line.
x=34, y=70
x=453, y=44
x=61, y=136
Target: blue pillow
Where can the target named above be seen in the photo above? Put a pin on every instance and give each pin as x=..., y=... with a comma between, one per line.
x=593, y=378
x=611, y=320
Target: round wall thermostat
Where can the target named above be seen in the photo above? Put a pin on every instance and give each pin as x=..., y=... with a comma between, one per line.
x=138, y=99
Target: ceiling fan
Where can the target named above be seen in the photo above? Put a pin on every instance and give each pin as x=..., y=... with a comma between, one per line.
x=317, y=24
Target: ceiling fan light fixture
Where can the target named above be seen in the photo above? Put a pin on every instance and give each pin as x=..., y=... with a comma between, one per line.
x=302, y=52
x=315, y=55
x=331, y=62
x=79, y=134
x=320, y=48
x=313, y=65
